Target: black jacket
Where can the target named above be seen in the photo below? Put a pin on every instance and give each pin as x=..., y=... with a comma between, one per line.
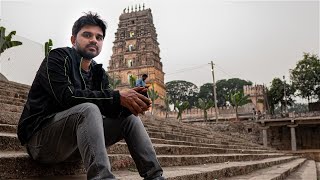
x=59, y=85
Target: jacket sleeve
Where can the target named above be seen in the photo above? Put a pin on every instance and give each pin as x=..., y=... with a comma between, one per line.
x=55, y=79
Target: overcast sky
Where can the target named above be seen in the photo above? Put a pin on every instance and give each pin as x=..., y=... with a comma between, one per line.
x=251, y=40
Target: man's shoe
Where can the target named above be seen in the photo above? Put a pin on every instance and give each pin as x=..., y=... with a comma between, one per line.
x=159, y=178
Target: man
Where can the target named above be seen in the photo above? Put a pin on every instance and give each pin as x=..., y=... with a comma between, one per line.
x=141, y=82
x=71, y=109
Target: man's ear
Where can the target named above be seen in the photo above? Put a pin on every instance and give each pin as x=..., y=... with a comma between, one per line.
x=73, y=40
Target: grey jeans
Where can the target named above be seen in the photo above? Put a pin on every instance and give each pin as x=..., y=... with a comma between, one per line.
x=83, y=129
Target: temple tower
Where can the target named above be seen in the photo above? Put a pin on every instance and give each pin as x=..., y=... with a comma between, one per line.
x=136, y=50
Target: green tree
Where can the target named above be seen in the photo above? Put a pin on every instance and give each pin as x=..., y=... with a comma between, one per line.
x=181, y=106
x=206, y=91
x=47, y=47
x=132, y=81
x=205, y=104
x=114, y=83
x=239, y=99
x=276, y=97
x=6, y=41
x=227, y=87
x=153, y=95
x=306, y=76
x=167, y=101
x=180, y=91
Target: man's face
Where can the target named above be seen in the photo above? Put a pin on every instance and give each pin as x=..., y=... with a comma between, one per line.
x=88, y=42
x=144, y=78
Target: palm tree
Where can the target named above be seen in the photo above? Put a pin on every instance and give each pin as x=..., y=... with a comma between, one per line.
x=239, y=99
x=205, y=105
x=132, y=81
x=153, y=95
x=47, y=47
x=167, y=100
x=5, y=41
x=181, y=106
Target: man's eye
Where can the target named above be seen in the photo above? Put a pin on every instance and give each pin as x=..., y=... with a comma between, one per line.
x=87, y=35
x=99, y=38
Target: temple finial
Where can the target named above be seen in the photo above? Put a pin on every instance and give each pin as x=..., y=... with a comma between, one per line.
x=128, y=9
x=143, y=7
x=131, y=8
x=135, y=8
x=139, y=7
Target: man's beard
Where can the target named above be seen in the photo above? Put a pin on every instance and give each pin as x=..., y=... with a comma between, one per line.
x=86, y=54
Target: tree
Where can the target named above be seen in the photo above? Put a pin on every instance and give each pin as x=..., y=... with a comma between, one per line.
x=47, y=47
x=275, y=94
x=153, y=95
x=205, y=104
x=181, y=106
x=306, y=76
x=226, y=87
x=239, y=99
x=132, y=81
x=167, y=101
x=114, y=83
x=206, y=91
x=181, y=91
x=5, y=41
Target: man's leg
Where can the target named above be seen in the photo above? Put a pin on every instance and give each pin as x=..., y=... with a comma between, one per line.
x=138, y=141
x=80, y=127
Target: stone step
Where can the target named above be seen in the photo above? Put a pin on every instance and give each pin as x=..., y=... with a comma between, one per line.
x=7, y=128
x=19, y=164
x=10, y=142
x=149, y=120
x=307, y=171
x=14, y=84
x=14, y=93
x=280, y=171
x=174, y=142
x=164, y=135
x=195, y=172
x=11, y=118
x=13, y=101
x=10, y=108
x=185, y=134
x=12, y=129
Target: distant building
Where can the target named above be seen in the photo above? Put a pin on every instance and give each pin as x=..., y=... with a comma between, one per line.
x=136, y=50
x=257, y=95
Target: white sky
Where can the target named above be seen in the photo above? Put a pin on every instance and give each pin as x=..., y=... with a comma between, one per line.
x=251, y=40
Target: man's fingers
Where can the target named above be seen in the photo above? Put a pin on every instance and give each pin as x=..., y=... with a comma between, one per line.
x=136, y=107
x=142, y=104
x=143, y=98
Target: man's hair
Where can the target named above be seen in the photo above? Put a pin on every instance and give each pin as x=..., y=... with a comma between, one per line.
x=89, y=19
x=144, y=75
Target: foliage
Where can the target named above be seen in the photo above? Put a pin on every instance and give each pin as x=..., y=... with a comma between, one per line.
x=227, y=87
x=181, y=91
x=275, y=94
x=205, y=104
x=113, y=82
x=181, y=106
x=47, y=47
x=5, y=41
x=306, y=76
x=166, y=100
x=239, y=99
x=206, y=91
x=132, y=81
x=153, y=95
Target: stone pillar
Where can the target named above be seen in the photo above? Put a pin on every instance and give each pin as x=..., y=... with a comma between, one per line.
x=293, y=137
x=265, y=136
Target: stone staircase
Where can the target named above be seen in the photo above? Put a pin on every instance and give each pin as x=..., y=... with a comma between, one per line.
x=185, y=152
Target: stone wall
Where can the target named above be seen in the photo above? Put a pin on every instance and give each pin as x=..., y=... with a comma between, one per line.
x=307, y=137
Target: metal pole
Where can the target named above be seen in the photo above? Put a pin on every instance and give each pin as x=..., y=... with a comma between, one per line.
x=214, y=92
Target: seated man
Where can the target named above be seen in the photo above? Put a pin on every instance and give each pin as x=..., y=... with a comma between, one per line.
x=141, y=82
x=71, y=109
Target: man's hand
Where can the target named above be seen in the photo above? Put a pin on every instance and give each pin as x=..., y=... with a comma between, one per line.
x=135, y=102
